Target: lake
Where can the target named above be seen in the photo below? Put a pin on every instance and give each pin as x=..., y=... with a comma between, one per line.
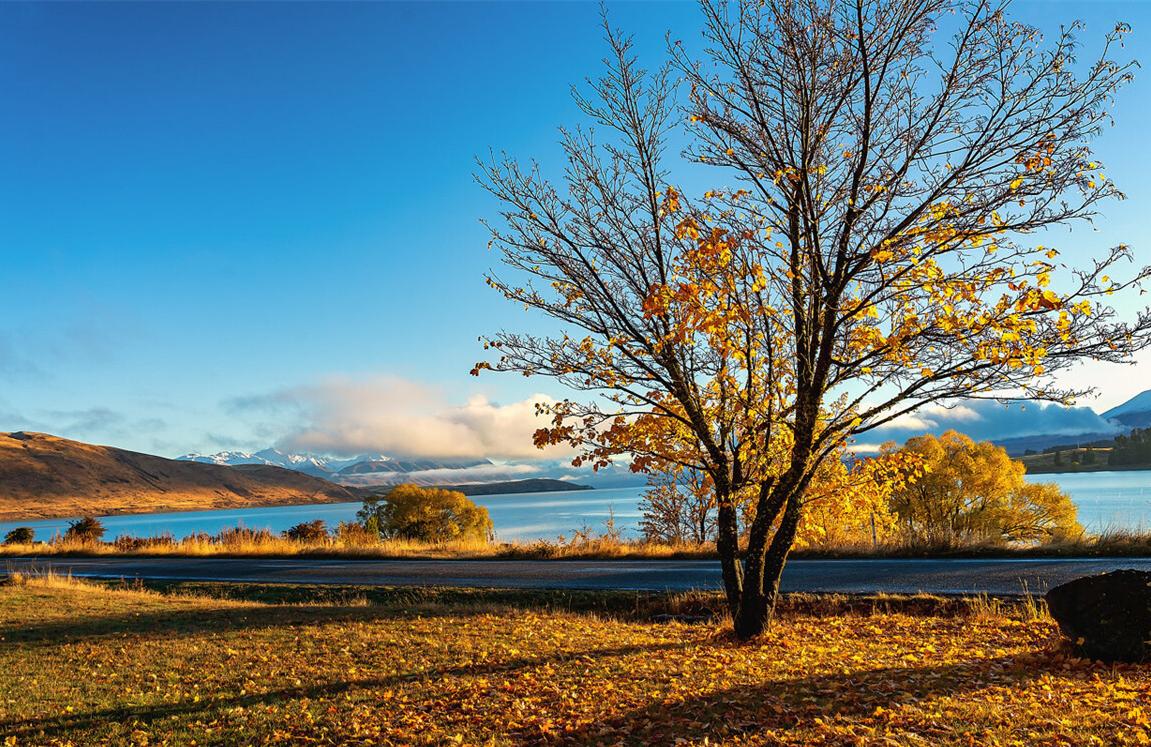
x=1106, y=500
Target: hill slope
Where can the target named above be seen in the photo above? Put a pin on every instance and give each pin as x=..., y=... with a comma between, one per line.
x=42, y=477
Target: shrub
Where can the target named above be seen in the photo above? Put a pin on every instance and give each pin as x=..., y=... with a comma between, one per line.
x=20, y=536
x=355, y=534
x=125, y=543
x=311, y=532
x=88, y=529
x=239, y=537
x=427, y=515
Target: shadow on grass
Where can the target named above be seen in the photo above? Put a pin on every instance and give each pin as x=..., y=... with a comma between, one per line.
x=785, y=704
x=149, y=624
x=776, y=705
x=66, y=724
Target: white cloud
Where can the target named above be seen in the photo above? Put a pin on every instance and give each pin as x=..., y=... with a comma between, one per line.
x=399, y=417
x=929, y=417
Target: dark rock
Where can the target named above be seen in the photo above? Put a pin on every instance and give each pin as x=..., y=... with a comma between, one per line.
x=1107, y=616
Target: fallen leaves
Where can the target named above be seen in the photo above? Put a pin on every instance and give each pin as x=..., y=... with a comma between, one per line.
x=148, y=670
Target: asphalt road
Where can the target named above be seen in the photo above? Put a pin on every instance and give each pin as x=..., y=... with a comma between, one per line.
x=996, y=577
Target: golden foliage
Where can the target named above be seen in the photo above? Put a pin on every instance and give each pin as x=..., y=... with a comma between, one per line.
x=975, y=492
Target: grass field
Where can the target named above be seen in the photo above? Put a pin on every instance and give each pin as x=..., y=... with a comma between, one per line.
x=84, y=664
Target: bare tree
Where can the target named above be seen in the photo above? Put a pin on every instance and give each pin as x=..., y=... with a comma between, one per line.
x=679, y=507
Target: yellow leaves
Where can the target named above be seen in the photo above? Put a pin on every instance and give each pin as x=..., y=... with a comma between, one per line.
x=1016, y=183
x=1049, y=300
x=882, y=255
x=687, y=228
x=671, y=202
x=1051, y=253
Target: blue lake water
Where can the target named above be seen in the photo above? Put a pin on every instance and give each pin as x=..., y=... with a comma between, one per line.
x=1106, y=500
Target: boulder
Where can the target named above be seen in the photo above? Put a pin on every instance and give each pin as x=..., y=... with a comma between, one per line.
x=1107, y=616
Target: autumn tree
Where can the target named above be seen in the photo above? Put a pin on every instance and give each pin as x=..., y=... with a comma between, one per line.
x=893, y=165
x=847, y=504
x=976, y=493
x=427, y=515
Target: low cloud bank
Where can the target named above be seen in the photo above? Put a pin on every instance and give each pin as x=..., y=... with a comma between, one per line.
x=400, y=418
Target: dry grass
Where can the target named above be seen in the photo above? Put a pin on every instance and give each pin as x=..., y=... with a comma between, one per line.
x=257, y=543
x=81, y=664
x=261, y=543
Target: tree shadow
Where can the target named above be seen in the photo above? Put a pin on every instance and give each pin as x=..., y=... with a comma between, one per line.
x=62, y=724
x=168, y=623
x=785, y=704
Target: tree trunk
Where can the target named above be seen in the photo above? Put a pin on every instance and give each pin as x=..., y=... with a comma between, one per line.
x=763, y=568
x=727, y=545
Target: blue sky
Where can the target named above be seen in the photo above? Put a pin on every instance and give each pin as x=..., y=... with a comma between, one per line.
x=216, y=215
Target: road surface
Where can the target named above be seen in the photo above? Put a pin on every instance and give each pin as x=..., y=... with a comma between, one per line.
x=991, y=576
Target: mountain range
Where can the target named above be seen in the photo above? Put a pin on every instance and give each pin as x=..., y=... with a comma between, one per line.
x=1135, y=412
x=330, y=467
x=375, y=470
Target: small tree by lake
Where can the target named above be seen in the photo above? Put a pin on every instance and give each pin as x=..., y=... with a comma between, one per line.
x=427, y=514
x=85, y=530
x=310, y=532
x=20, y=536
x=678, y=507
x=975, y=493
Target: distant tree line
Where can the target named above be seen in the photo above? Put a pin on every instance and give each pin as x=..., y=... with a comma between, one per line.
x=1132, y=449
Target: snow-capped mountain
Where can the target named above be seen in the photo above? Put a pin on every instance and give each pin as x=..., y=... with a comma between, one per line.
x=369, y=470
x=223, y=458
x=1135, y=412
x=365, y=469
x=312, y=464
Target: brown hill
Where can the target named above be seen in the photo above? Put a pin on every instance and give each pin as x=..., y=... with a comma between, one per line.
x=43, y=477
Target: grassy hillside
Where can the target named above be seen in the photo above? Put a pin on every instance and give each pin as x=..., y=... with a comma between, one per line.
x=82, y=664
x=42, y=476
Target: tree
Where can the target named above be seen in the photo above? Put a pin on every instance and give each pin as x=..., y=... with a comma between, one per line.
x=975, y=493
x=20, y=536
x=311, y=532
x=848, y=503
x=87, y=529
x=427, y=515
x=679, y=508
x=872, y=256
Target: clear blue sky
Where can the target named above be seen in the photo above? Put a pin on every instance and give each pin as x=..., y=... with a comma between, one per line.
x=216, y=202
